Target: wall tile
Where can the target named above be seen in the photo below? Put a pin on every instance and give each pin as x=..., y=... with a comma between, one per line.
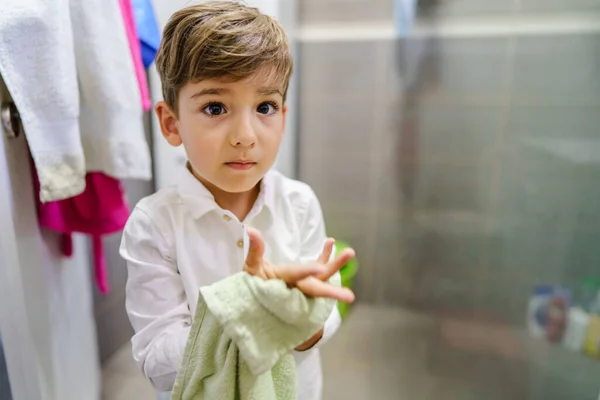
x=565, y=69
x=316, y=11
x=559, y=5
x=344, y=70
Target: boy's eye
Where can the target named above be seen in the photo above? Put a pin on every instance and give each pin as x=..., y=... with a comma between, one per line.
x=214, y=109
x=267, y=108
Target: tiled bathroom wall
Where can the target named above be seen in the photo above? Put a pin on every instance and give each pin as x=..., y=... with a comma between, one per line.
x=464, y=170
x=316, y=11
x=336, y=11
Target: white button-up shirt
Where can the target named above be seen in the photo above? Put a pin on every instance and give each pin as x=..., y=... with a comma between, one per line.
x=178, y=240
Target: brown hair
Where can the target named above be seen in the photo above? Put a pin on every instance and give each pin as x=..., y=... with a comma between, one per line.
x=221, y=39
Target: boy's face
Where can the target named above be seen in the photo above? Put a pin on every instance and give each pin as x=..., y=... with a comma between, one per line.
x=231, y=131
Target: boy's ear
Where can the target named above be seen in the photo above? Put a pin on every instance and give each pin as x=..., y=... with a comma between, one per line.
x=169, y=125
x=284, y=113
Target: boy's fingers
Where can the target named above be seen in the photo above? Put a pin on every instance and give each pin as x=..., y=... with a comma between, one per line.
x=256, y=250
x=291, y=274
x=326, y=253
x=314, y=287
x=337, y=263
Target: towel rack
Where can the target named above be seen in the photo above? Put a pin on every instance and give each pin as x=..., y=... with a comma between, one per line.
x=11, y=120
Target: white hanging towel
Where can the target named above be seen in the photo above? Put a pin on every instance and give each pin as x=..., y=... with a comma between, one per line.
x=37, y=64
x=47, y=47
x=111, y=121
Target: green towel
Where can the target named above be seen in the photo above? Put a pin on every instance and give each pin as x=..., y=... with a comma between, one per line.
x=241, y=340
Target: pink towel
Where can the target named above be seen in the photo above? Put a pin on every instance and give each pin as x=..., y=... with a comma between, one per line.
x=136, y=52
x=100, y=210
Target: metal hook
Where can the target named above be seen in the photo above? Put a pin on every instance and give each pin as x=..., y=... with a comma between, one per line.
x=11, y=120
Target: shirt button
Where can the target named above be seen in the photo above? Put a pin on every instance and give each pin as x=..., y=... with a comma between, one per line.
x=240, y=243
x=226, y=217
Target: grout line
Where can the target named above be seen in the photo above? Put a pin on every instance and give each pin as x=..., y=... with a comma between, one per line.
x=375, y=177
x=497, y=168
x=475, y=26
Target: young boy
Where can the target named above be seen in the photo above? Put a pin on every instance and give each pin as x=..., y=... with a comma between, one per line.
x=225, y=69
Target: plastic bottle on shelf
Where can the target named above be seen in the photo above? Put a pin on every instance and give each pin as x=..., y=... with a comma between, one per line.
x=547, y=312
x=579, y=315
x=577, y=327
x=592, y=339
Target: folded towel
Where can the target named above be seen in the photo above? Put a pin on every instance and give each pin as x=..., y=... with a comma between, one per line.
x=240, y=343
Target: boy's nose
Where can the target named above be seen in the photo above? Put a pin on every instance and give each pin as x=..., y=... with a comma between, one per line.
x=243, y=134
x=245, y=143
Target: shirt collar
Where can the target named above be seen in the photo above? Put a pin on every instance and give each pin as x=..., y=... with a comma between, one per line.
x=202, y=201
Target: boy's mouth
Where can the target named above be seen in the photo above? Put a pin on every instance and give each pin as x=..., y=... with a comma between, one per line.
x=240, y=165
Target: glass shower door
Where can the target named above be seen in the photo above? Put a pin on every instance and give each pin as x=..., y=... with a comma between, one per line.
x=502, y=223
x=463, y=163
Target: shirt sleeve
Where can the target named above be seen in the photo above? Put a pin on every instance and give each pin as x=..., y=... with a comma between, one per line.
x=313, y=239
x=155, y=301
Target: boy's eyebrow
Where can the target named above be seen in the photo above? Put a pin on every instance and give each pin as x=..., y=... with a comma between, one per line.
x=210, y=91
x=267, y=91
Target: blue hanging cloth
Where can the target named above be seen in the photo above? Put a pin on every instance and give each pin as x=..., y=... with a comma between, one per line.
x=405, y=12
x=147, y=29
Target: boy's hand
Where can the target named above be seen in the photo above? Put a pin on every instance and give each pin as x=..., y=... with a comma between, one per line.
x=308, y=278
x=314, y=283
x=256, y=264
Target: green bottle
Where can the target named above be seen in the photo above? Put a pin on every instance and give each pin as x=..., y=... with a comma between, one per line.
x=589, y=291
